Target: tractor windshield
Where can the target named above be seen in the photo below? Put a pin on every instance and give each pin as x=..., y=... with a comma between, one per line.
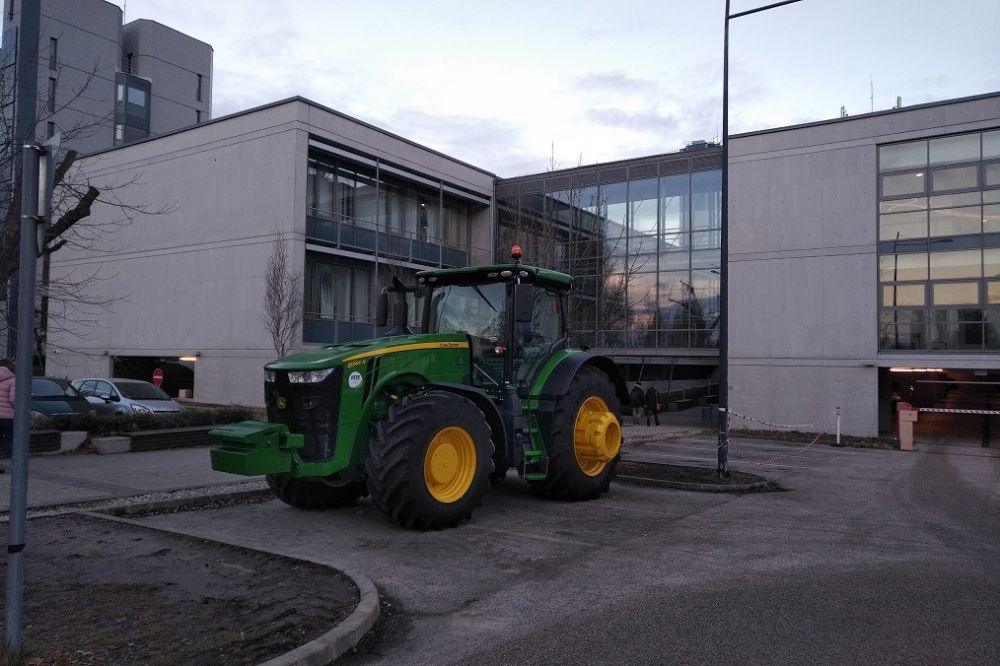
x=476, y=309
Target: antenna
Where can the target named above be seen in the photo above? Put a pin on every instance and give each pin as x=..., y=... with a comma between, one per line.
x=871, y=82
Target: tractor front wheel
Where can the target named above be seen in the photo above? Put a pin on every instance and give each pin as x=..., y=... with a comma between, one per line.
x=316, y=493
x=430, y=460
x=584, y=439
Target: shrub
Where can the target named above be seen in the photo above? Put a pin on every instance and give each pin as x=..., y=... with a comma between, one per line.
x=123, y=423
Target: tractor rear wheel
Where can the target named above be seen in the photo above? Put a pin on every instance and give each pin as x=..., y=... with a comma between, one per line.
x=584, y=439
x=429, y=461
x=316, y=493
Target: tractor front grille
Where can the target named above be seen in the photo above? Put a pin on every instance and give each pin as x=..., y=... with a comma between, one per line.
x=310, y=410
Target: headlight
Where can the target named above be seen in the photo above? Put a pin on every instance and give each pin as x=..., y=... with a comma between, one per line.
x=309, y=376
x=270, y=375
x=139, y=409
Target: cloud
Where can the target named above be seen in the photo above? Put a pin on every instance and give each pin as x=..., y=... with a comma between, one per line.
x=612, y=82
x=639, y=121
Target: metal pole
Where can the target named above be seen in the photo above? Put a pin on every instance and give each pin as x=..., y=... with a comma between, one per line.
x=723, y=463
x=26, y=115
x=22, y=399
x=722, y=467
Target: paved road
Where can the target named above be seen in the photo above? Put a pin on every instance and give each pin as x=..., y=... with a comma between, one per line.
x=868, y=556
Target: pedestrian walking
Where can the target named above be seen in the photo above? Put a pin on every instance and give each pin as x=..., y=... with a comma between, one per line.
x=652, y=405
x=636, y=399
x=6, y=407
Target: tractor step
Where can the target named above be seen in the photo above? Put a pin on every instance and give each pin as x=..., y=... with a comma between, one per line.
x=537, y=469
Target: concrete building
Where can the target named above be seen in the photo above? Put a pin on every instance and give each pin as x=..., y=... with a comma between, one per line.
x=860, y=250
x=101, y=83
x=354, y=206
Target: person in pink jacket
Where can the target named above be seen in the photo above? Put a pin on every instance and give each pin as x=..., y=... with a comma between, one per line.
x=6, y=406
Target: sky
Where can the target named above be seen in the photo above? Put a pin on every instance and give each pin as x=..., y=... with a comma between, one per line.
x=521, y=86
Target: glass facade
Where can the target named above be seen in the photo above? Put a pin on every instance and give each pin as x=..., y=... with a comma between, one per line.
x=403, y=226
x=939, y=244
x=642, y=242
x=132, y=97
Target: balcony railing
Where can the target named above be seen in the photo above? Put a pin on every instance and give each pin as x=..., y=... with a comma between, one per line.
x=362, y=235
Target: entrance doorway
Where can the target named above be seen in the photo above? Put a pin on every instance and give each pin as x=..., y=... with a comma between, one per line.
x=177, y=375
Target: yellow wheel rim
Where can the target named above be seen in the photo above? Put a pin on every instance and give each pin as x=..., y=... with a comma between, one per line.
x=450, y=464
x=597, y=436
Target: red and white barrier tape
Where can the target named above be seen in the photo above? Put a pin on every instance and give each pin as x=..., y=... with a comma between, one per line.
x=988, y=412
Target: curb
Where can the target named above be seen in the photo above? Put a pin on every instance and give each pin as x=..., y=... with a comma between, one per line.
x=701, y=487
x=317, y=652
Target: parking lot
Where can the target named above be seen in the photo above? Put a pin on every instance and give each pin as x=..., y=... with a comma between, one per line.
x=868, y=556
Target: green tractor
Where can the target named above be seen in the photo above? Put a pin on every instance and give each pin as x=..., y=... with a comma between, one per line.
x=422, y=422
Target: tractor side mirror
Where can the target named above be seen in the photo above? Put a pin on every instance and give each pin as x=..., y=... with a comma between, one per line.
x=382, y=309
x=524, y=303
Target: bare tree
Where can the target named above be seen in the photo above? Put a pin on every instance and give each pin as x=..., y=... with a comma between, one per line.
x=282, y=314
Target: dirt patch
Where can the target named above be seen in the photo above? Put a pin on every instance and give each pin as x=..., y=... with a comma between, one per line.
x=681, y=474
x=103, y=593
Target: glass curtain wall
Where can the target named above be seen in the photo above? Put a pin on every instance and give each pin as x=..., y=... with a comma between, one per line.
x=644, y=253
x=396, y=222
x=356, y=208
x=939, y=244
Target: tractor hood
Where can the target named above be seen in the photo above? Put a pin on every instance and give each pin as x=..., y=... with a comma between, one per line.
x=334, y=355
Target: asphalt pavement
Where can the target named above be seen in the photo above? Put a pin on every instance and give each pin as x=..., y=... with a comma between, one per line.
x=866, y=556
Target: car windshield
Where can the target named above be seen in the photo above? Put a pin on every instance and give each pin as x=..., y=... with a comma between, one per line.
x=52, y=388
x=474, y=309
x=141, y=391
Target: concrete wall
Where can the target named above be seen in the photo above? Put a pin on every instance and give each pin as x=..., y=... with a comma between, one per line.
x=172, y=61
x=191, y=278
x=803, y=274
x=87, y=59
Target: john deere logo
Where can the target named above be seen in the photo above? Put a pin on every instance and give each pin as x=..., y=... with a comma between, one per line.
x=281, y=403
x=354, y=380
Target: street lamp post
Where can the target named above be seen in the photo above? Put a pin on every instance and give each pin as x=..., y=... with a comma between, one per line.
x=722, y=468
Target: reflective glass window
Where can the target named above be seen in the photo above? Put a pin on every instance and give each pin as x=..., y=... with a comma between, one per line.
x=956, y=221
x=642, y=215
x=902, y=184
x=903, y=156
x=903, y=205
x=991, y=262
x=901, y=295
x=674, y=195
x=900, y=226
x=954, y=178
x=903, y=336
x=991, y=145
x=963, y=148
x=993, y=292
x=955, y=200
x=991, y=174
x=706, y=258
x=960, y=264
x=676, y=296
x=893, y=267
x=956, y=293
x=706, y=200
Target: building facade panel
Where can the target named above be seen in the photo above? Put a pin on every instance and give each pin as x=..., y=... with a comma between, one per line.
x=189, y=281
x=833, y=257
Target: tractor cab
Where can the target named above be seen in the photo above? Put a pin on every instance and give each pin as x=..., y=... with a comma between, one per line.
x=513, y=314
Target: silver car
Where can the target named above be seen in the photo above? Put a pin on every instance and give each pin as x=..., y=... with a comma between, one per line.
x=126, y=396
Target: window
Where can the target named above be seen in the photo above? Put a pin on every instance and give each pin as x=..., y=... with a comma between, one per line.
x=938, y=253
x=197, y=116
x=50, y=130
x=197, y=95
x=52, y=96
x=53, y=53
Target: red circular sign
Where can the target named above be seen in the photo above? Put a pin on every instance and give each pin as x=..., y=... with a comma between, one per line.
x=157, y=376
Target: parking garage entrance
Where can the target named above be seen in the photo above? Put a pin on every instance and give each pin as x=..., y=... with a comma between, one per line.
x=958, y=407
x=178, y=376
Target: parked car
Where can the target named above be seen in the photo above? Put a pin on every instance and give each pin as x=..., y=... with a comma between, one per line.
x=52, y=396
x=126, y=396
